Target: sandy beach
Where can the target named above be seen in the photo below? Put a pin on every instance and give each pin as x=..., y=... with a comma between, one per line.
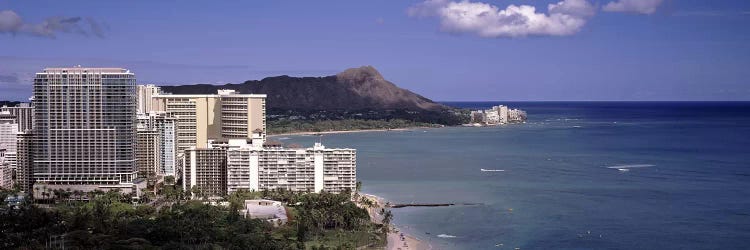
x=397, y=240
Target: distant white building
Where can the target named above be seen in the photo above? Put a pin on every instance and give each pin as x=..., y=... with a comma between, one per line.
x=269, y=166
x=500, y=114
x=492, y=116
x=516, y=115
x=268, y=210
x=502, y=111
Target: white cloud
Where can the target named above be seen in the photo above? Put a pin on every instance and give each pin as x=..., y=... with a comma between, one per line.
x=581, y=8
x=634, y=6
x=10, y=22
x=564, y=18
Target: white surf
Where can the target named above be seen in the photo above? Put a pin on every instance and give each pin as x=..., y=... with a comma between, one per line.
x=492, y=170
x=631, y=166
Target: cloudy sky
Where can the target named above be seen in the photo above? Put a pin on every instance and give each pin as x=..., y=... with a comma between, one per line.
x=448, y=50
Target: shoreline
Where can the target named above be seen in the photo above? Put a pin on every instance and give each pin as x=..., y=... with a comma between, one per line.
x=396, y=238
x=347, y=131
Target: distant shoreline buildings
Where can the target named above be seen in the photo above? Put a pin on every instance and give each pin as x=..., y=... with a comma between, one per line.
x=94, y=129
x=497, y=115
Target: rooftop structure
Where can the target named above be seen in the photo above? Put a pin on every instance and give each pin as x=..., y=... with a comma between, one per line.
x=268, y=210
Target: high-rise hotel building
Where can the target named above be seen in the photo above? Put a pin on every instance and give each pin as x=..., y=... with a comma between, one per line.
x=225, y=115
x=157, y=151
x=269, y=166
x=84, y=126
x=144, y=94
x=8, y=137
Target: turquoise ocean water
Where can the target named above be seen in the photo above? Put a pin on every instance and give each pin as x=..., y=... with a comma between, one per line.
x=687, y=185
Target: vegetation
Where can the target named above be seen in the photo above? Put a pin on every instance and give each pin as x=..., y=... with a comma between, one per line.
x=109, y=220
x=291, y=126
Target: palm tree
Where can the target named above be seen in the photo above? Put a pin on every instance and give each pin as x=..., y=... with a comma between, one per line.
x=387, y=217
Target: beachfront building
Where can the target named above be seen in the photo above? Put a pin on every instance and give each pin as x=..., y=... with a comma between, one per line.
x=496, y=115
x=269, y=166
x=225, y=115
x=502, y=112
x=23, y=115
x=492, y=116
x=164, y=127
x=84, y=127
x=516, y=115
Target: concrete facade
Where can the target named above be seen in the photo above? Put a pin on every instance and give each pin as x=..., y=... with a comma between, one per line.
x=84, y=125
x=268, y=167
x=225, y=115
x=24, y=115
x=206, y=171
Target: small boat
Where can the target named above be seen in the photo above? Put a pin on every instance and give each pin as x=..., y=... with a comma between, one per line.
x=623, y=169
x=492, y=170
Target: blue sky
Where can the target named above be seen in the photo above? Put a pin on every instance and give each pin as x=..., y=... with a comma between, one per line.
x=445, y=50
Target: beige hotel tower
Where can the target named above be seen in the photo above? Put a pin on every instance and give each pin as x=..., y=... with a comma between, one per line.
x=225, y=115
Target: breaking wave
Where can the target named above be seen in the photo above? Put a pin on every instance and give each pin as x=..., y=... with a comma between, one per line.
x=631, y=166
x=446, y=236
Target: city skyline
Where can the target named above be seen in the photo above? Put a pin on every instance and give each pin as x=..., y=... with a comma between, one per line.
x=606, y=50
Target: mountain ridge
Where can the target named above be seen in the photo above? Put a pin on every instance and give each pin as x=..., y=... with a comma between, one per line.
x=362, y=88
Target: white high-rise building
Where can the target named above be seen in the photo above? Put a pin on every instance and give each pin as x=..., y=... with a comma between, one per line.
x=8, y=137
x=503, y=112
x=165, y=126
x=268, y=166
x=6, y=173
x=84, y=128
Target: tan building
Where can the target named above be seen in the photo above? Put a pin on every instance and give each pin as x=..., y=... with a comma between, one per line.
x=144, y=93
x=24, y=174
x=225, y=115
x=148, y=151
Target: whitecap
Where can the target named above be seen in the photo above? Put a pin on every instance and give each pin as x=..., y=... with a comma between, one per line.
x=631, y=166
x=283, y=138
x=446, y=236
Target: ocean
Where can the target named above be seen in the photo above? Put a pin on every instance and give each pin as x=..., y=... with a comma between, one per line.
x=577, y=175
